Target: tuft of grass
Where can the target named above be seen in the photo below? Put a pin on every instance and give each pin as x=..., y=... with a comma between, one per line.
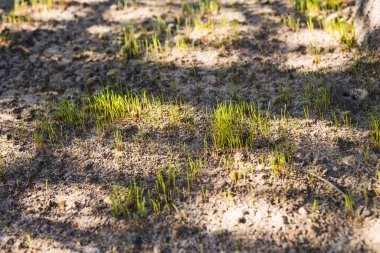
x=343, y=29
x=70, y=113
x=132, y=47
x=2, y=166
x=315, y=205
x=111, y=107
x=292, y=23
x=45, y=130
x=193, y=170
x=118, y=139
x=128, y=201
x=310, y=23
x=209, y=7
x=349, y=202
x=29, y=242
x=317, y=52
x=236, y=125
x=375, y=134
x=280, y=160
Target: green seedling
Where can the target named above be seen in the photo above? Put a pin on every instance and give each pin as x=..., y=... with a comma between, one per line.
x=307, y=114
x=118, y=139
x=38, y=138
x=346, y=118
x=132, y=47
x=349, y=202
x=209, y=7
x=70, y=113
x=375, y=134
x=344, y=30
x=317, y=52
x=236, y=125
x=280, y=160
x=310, y=23
x=128, y=201
x=2, y=166
x=193, y=170
x=292, y=23
x=315, y=205
x=29, y=242
x=366, y=152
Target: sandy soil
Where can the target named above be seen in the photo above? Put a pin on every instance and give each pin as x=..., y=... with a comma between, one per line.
x=57, y=198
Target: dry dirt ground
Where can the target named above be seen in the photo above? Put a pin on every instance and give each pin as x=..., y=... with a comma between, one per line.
x=55, y=193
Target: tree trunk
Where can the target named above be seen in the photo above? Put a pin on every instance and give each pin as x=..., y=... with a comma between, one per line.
x=367, y=23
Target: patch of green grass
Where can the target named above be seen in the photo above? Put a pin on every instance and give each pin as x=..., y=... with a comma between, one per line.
x=239, y=174
x=315, y=7
x=236, y=125
x=135, y=202
x=316, y=97
x=375, y=134
x=193, y=170
x=122, y=4
x=133, y=48
x=209, y=7
x=292, y=23
x=128, y=201
x=29, y=242
x=2, y=166
x=349, y=202
x=45, y=131
x=317, y=52
x=284, y=94
x=118, y=139
x=70, y=113
x=280, y=160
x=343, y=29
x=310, y=23
x=109, y=107
x=307, y=6
x=112, y=107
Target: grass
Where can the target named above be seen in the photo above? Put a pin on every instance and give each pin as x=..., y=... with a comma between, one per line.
x=237, y=125
x=209, y=7
x=349, y=202
x=135, y=202
x=316, y=7
x=193, y=171
x=317, y=52
x=310, y=23
x=128, y=201
x=19, y=13
x=70, y=113
x=45, y=131
x=375, y=134
x=29, y=242
x=292, y=23
x=280, y=160
x=112, y=107
x=118, y=139
x=342, y=29
x=232, y=128
x=105, y=110
x=2, y=166
x=132, y=47
x=317, y=11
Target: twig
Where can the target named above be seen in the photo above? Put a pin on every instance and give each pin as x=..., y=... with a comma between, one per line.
x=327, y=182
